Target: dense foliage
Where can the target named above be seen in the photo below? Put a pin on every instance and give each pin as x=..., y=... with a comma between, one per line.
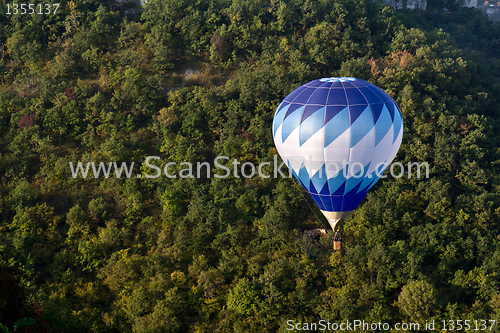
x=190, y=80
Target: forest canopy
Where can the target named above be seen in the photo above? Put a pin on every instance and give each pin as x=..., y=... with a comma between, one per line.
x=190, y=80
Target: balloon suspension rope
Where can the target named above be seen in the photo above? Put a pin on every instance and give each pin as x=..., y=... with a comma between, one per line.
x=307, y=202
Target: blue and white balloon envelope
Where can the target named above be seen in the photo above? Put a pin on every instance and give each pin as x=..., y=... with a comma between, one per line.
x=337, y=135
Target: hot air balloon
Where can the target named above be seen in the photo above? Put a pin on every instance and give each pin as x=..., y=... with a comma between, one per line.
x=337, y=135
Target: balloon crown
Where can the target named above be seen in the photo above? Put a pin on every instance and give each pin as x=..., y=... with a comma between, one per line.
x=337, y=79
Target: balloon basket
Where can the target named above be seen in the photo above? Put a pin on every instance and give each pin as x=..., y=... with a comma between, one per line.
x=337, y=245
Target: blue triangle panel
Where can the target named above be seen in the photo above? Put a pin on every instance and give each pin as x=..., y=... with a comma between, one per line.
x=278, y=118
x=354, y=190
x=352, y=183
x=304, y=177
x=362, y=126
x=336, y=182
x=298, y=178
x=351, y=202
x=367, y=182
x=380, y=93
x=398, y=110
x=390, y=107
x=290, y=97
x=337, y=202
x=291, y=123
x=291, y=109
x=311, y=125
x=327, y=203
x=319, y=96
x=355, y=111
x=304, y=96
x=398, y=122
x=312, y=189
x=370, y=96
x=319, y=179
x=309, y=110
x=363, y=177
x=280, y=107
x=332, y=111
x=382, y=126
x=340, y=190
x=376, y=110
x=355, y=97
x=336, y=127
x=337, y=97
x=302, y=184
x=325, y=190
x=317, y=200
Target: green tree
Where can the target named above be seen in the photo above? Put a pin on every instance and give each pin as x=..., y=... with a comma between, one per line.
x=417, y=300
x=243, y=298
